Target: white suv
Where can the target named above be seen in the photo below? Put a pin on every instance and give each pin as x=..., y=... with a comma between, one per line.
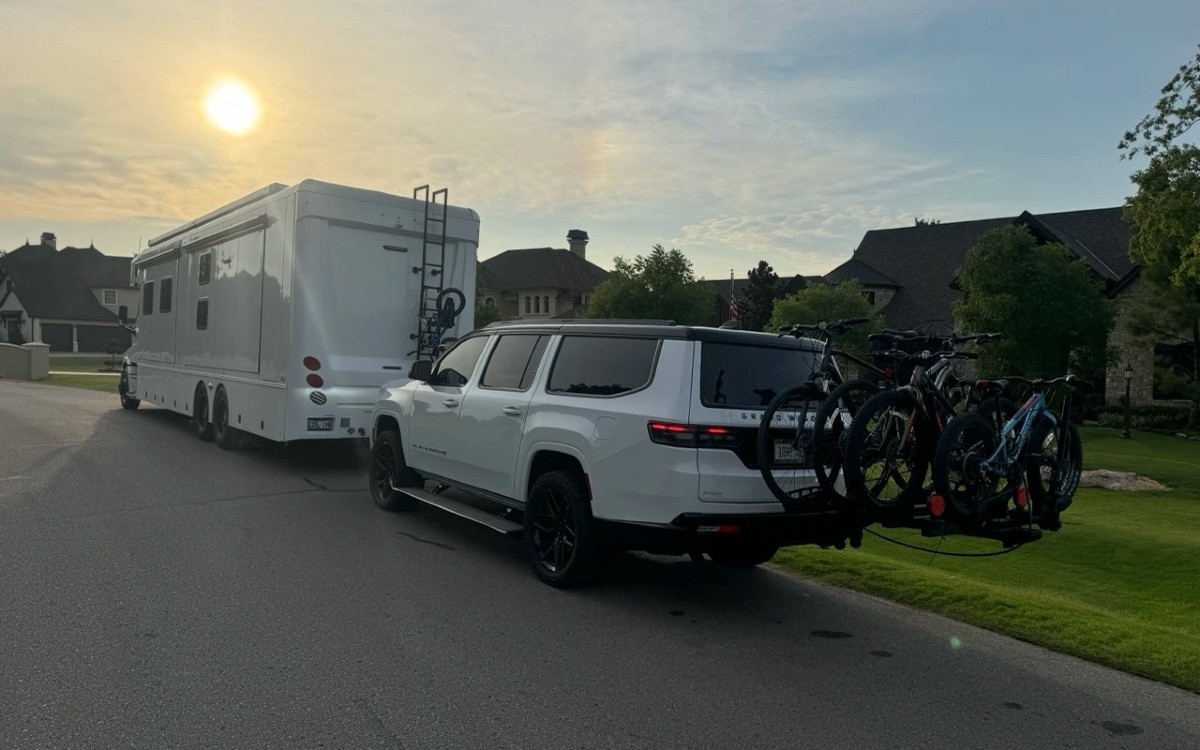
x=590, y=437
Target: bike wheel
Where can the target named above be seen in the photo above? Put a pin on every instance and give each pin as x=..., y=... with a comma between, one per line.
x=1053, y=460
x=830, y=429
x=887, y=452
x=784, y=449
x=958, y=476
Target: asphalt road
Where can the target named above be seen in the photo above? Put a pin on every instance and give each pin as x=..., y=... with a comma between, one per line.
x=157, y=592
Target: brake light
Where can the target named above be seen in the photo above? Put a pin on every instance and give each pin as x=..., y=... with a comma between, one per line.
x=314, y=380
x=312, y=363
x=693, y=436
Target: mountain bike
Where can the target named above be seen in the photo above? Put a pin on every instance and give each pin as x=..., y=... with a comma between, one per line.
x=891, y=440
x=1028, y=468
x=449, y=305
x=802, y=428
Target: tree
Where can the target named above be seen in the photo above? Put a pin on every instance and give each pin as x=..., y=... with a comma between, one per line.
x=758, y=303
x=1043, y=298
x=656, y=286
x=1165, y=214
x=485, y=315
x=925, y=222
x=817, y=303
x=113, y=348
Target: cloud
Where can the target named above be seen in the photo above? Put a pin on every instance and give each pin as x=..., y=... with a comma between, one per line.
x=730, y=117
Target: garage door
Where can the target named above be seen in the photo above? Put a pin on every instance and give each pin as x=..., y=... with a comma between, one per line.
x=96, y=338
x=58, y=336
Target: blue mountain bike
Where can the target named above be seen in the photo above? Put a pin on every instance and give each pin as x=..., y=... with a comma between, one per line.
x=1026, y=471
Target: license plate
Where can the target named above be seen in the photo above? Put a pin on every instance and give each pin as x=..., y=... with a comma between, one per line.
x=320, y=424
x=786, y=453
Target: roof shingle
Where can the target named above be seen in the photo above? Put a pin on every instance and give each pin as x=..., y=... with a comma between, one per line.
x=544, y=268
x=57, y=283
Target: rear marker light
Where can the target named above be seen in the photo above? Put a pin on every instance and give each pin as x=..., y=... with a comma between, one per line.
x=314, y=380
x=693, y=436
x=723, y=529
x=1022, y=497
x=312, y=363
x=937, y=506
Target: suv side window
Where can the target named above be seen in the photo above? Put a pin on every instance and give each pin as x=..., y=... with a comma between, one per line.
x=455, y=366
x=514, y=361
x=602, y=366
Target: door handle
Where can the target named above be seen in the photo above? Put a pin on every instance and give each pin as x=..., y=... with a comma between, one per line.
x=450, y=403
x=512, y=411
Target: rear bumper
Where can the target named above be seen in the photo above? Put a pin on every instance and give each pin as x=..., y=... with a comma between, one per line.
x=701, y=532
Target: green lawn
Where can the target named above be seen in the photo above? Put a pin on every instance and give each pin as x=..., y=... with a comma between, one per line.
x=1119, y=585
x=81, y=364
x=107, y=384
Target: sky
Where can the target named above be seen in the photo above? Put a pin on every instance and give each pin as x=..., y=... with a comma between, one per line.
x=734, y=131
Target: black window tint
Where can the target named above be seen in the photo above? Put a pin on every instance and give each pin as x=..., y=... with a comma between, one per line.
x=205, y=267
x=148, y=298
x=602, y=366
x=202, y=314
x=456, y=365
x=164, y=295
x=746, y=376
x=535, y=360
x=509, y=362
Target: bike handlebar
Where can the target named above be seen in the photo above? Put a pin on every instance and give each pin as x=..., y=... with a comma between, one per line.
x=1071, y=381
x=824, y=327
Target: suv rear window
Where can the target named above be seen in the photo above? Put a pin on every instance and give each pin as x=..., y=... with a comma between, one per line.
x=602, y=366
x=748, y=376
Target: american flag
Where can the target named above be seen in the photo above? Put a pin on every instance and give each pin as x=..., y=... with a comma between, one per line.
x=733, y=307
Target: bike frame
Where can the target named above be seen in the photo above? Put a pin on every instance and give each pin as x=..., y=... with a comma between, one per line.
x=1001, y=458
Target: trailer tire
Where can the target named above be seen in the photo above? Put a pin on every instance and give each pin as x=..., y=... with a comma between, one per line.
x=200, y=419
x=226, y=437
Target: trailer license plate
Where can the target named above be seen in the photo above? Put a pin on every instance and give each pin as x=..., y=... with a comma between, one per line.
x=320, y=424
x=786, y=453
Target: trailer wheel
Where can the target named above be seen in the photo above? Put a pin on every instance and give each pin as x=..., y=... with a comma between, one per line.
x=200, y=420
x=226, y=437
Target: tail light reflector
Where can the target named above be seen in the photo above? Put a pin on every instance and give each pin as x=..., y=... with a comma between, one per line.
x=312, y=363
x=314, y=380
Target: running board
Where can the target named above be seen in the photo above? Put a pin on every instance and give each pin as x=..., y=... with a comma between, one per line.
x=464, y=510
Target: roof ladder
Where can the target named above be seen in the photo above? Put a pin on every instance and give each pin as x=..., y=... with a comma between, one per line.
x=432, y=268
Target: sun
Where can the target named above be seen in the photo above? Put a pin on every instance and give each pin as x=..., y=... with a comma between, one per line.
x=232, y=106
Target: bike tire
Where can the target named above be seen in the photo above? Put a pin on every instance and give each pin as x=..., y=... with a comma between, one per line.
x=1053, y=478
x=967, y=440
x=786, y=420
x=831, y=426
x=450, y=304
x=868, y=439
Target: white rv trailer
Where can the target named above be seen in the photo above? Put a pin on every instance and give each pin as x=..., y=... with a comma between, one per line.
x=282, y=313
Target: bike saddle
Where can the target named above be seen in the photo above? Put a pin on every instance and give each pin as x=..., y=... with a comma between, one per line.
x=992, y=387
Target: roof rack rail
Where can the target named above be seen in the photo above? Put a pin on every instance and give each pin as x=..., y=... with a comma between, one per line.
x=583, y=321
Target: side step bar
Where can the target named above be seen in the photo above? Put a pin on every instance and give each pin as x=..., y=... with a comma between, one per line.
x=464, y=510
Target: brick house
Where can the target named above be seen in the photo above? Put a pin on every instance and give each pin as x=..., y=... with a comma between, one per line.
x=68, y=298
x=908, y=274
x=540, y=282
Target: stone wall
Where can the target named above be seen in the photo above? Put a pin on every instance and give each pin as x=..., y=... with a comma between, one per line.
x=1139, y=355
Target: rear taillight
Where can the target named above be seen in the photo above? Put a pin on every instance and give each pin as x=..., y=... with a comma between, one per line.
x=314, y=380
x=312, y=363
x=693, y=436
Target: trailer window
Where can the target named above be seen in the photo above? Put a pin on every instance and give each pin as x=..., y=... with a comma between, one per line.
x=205, y=267
x=164, y=295
x=148, y=298
x=202, y=314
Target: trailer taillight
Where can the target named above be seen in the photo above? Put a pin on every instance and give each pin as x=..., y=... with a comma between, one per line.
x=312, y=363
x=314, y=380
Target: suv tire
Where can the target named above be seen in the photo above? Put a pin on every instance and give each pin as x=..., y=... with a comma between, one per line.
x=560, y=538
x=389, y=471
x=743, y=554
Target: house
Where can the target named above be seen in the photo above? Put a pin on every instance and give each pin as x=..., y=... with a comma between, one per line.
x=540, y=282
x=67, y=298
x=909, y=275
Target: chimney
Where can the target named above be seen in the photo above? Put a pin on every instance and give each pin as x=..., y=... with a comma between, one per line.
x=578, y=239
x=49, y=240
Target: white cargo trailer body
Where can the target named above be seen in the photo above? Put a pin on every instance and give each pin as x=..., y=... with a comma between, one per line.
x=294, y=304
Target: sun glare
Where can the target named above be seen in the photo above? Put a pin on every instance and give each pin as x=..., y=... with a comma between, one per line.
x=232, y=106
